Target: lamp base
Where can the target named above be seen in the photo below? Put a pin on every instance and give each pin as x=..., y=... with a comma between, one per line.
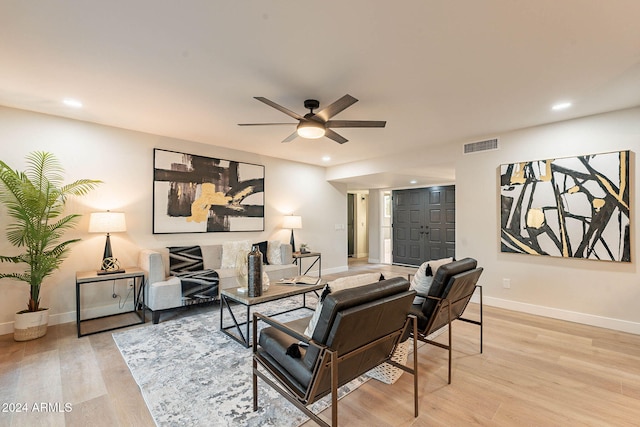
x=292, y=242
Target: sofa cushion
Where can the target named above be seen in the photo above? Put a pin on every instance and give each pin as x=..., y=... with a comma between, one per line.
x=421, y=281
x=263, y=248
x=274, y=254
x=211, y=256
x=231, y=250
x=338, y=285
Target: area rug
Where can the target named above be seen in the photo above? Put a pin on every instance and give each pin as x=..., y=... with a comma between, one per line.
x=191, y=374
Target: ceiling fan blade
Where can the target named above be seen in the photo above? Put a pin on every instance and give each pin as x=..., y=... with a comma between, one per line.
x=291, y=137
x=331, y=110
x=355, y=124
x=337, y=138
x=279, y=107
x=266, y=124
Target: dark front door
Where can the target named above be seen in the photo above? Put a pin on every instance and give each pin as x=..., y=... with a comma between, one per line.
x=423, y=224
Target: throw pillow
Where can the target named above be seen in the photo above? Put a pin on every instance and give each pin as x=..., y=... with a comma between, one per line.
x=262, y=246
x=338, y=285
x=274, y=256
x=231, y=250
x=421, y=281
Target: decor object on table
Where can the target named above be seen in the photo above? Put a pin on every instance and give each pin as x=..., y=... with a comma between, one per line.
x=293, y=222
x=36, y=199
x=316, y=125
x=197, y=194
x=575, y=207
x=304, y=248
x=108, y=222
x=254, y=272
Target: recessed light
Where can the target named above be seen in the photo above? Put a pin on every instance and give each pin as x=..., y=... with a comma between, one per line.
x=326, y=158
x=413, y=181
x=73, y=103
x=561, y=106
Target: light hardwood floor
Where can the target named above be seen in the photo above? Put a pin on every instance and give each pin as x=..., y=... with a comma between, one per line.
x=534, y=371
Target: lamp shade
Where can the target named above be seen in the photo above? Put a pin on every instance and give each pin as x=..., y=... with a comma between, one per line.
x=107, y=222
x=293, y=222
x=311, y=129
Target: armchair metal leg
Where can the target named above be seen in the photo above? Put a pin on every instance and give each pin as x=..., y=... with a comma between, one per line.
x=415, y=367
x=334, y=389
x=481, y=320
x=450, y=344
x=255, y=364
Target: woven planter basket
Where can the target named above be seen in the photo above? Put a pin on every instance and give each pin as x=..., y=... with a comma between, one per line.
x=390, y=374
x=31, y=325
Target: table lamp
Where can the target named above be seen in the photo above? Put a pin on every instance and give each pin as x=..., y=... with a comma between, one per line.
x=108, y=222
x=293, y=222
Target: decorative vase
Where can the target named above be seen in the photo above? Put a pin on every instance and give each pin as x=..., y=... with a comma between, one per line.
x=30, y=325
x=254, y=272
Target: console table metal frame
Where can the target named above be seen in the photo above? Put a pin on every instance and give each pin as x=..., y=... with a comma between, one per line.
x=275, y=292
x=298, y=256
x=87, y=277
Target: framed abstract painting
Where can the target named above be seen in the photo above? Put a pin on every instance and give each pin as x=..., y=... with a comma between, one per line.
x=197, y=194
x=574, y=207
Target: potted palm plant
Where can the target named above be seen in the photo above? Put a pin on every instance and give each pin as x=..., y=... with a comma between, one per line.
x=35, y=200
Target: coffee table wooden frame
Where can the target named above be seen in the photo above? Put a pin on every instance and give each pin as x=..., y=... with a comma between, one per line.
x=275, y=292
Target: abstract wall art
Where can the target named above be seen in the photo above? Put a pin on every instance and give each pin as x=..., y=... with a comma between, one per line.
x=196, y=194
x=575, y=207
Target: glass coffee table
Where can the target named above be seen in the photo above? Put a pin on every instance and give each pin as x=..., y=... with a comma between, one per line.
x=275, y=292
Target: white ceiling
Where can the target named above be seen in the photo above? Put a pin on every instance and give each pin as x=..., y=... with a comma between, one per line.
x=439, y=72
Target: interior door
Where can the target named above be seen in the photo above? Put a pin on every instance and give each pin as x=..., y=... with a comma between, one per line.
x=423, y=224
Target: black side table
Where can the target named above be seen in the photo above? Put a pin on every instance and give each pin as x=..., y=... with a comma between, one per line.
x=317, y=259
x=85, y=278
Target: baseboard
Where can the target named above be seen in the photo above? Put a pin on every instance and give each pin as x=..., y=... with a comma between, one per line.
x=571, y=316
x=335, y=270
x=68, y=317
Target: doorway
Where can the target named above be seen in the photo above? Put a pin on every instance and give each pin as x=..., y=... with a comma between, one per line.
x=351, y=235
x=423, y=224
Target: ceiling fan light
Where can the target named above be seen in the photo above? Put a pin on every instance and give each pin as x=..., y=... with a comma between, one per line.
x=310, y=130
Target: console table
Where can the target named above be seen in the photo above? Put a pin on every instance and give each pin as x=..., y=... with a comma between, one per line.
x=315, y=256
x=86, y=278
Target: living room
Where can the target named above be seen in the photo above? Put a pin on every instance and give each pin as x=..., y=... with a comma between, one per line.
x=121, y=154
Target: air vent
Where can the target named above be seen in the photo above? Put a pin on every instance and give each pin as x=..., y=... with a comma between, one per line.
x=486, y=145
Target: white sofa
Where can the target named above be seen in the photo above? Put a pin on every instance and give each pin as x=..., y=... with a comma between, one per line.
x=164, y=292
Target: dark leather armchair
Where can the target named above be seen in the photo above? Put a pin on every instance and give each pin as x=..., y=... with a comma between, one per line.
x=451, y=290
x=358, y=329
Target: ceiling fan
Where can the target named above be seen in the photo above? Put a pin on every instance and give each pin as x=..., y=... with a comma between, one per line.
x=316, y=125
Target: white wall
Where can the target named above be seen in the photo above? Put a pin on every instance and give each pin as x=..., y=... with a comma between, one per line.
x=593, y=292
x=124, y=160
